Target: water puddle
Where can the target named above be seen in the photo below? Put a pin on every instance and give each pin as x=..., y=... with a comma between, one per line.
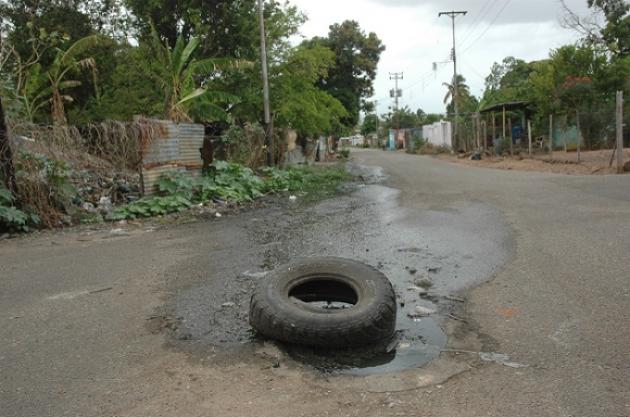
x=428, y=254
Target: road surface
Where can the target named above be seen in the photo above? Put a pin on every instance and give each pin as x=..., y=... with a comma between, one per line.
x=140, y=322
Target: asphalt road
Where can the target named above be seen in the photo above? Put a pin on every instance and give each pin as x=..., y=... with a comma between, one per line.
x=83, y=315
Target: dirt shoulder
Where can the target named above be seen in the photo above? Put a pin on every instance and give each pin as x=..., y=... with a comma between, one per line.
x=592, y=163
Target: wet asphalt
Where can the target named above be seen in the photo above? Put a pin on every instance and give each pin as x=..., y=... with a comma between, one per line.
x=95, y=324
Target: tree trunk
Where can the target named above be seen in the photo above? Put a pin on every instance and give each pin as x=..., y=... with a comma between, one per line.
x=6, y=155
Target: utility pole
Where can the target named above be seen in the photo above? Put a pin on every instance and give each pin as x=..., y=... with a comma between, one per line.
x=396, y=93
x=453, y=14
x=619, y=124
x=265, y=80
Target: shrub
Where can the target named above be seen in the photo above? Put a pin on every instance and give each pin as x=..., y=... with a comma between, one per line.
x=344, y=153
x=229, y=182
x=13, y=219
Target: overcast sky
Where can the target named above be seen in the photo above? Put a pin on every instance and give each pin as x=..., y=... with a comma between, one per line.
x=415, y=38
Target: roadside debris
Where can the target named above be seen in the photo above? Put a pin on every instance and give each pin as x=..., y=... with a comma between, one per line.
x=228, y=304
x=501, y=359
x=421, y=311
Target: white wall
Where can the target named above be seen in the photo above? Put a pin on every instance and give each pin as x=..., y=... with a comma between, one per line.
x=438, y=134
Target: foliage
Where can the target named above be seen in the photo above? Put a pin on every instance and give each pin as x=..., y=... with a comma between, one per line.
x=616, y=33
x=181, y=72
x=297, y=101
x=44, y=186
x=229, y=182
x=12, y=218
x=356, y=60
x=245, y=145
x=466, y=101
x=344, y=153
x=370, y=124
x=405, y=118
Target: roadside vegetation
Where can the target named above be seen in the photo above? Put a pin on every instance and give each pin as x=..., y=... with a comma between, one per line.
x=76, y=76
x=228, y=183
x=576, y=83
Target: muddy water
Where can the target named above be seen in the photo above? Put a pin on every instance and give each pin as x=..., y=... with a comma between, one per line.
x=428, y=254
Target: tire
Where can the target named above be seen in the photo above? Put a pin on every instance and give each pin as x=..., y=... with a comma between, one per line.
x=280, y=305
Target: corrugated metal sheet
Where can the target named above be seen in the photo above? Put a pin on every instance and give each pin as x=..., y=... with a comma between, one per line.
x=177, y=150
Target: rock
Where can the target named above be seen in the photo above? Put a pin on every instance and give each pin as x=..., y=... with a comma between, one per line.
x=217, y=214
x=89, y=207
x=423, y=311
x=292, y=198
x=476, y=156
x=228, y=305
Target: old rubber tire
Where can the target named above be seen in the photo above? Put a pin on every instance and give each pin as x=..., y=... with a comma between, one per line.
x=278, y=312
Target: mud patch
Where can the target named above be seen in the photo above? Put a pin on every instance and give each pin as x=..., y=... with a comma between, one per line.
x=429, y=255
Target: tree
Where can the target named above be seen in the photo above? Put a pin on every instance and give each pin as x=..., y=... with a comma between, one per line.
x=508, y=81
x=616, y=33
x=297, y=101
x=224, y=28
x=356, y=60
x=180, y=75
x=466, y=101
x=370, y=124
x=66, y=62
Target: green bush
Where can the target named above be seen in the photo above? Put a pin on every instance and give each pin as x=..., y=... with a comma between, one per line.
x=229, y=182
x=13, y=219
x=344, y=153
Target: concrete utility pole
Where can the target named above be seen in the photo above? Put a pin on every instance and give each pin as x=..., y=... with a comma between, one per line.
x=396, y=93
x=265, y=80
x=453, y=14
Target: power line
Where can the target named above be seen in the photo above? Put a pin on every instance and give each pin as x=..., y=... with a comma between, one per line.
x=478, y=19
x=489, y=26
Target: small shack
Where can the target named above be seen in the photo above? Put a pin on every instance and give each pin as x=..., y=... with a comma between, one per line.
x=514, y=126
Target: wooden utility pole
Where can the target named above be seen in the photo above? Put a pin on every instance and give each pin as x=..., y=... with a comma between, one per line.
x=551, y=136
x=529, y=136
x=265, y=81
x=620, y=168
x=579, y=135
x=453, y=14
x=494, y=131
x=478, y=122
x=484, y=140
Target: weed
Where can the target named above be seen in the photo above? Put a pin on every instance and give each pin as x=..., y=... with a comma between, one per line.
x=229, y=182
x=344, y=153
x=11, y=218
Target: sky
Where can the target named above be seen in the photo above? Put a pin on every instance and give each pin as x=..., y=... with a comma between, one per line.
x=415, y=38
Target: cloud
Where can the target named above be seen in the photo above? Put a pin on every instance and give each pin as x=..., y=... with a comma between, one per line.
x=415, y=38
x=483, y=11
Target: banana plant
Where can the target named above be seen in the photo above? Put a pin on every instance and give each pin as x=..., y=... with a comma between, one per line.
x=66, y=62
x=185, y=80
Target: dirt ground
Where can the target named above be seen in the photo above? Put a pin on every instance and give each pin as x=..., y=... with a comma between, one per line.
x=592, y=162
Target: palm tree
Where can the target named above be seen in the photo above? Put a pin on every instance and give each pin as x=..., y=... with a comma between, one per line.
x=64, y=63
x=463, y=91
x=181, y=74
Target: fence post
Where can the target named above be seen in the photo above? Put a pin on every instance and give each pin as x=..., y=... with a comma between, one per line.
x=551, y=136
x=620, y=168
x=529, y=136
x=579, y=135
